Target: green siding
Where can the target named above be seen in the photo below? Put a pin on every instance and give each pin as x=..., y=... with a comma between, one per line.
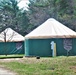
x=59, y=47
x=62, y=51
x=27, y=47
x=11, y=48
x=73, y=51
x=37, y=47
x=42, y=47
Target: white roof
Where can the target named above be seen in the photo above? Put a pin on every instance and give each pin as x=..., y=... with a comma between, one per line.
x=51, y=29
x=10, y=35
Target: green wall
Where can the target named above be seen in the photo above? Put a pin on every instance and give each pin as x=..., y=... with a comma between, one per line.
x=42, y=47
x=11, y=48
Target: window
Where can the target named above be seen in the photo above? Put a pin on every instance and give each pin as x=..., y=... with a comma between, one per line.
x=67, y=44
x=19, y=46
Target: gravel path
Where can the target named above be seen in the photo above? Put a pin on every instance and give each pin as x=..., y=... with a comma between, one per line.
x=6, y=72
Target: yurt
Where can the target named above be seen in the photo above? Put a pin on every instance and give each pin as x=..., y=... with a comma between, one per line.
x=11, y=42
x=51, y=38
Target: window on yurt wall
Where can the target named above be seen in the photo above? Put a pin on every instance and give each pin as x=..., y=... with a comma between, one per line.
x=68, y=45
x=19, y=45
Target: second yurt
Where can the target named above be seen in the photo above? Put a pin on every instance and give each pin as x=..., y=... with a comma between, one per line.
x=11, y=42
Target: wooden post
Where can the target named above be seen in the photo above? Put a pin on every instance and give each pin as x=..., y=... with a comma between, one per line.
x=54, y=49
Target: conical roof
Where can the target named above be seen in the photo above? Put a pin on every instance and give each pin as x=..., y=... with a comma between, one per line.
x=51, y=29
x=10, y=36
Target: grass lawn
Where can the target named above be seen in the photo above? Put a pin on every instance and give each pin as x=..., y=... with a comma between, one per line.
x=44, y=66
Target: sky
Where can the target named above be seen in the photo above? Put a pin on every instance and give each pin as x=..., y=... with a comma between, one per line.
x=23, y=4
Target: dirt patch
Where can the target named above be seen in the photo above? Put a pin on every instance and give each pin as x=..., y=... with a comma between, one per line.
x=6, y=72
x=73, y=67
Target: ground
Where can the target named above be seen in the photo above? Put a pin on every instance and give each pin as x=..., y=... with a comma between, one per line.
x=60, y=65
x=5, y=72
